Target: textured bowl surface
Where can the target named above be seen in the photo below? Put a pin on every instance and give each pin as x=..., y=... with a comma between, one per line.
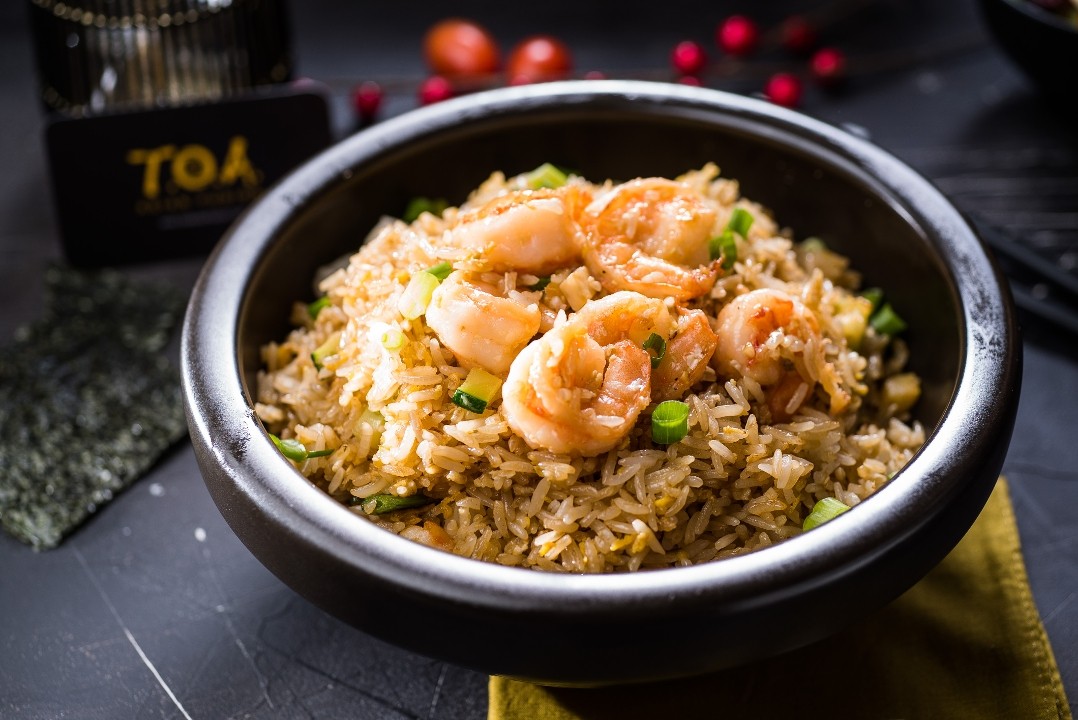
x=573, y=629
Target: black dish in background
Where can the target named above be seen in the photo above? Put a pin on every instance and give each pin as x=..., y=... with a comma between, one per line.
x=553, y=628
x=1043, y=44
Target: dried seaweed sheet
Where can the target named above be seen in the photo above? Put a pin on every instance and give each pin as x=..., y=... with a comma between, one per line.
x=88, y=400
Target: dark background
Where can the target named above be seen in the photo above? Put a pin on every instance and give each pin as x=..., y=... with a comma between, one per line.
x=154, y=605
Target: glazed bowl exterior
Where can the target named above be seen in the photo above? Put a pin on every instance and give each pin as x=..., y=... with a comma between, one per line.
x=595, y=629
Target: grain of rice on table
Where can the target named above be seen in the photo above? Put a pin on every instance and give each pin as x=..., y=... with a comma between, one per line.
x=797, y=412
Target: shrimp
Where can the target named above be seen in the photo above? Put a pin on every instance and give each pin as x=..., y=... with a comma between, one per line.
x=651, y=235
x=767, y=334
x=581, y=386
x=479, y=324
x=687, y=356
x=525, y=230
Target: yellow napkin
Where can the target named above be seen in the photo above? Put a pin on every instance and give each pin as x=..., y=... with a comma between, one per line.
x=965, y=642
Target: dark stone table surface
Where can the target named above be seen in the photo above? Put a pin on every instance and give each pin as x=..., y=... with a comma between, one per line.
x=154, y=609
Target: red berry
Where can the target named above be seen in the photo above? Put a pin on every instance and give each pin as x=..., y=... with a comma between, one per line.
x=737, y=35
x=595, y=75
x=435, y=89
x=690, y=80
x=828, y=66
x=783, y=89
x=688, y=57
x=366, y=100
x=798, y=35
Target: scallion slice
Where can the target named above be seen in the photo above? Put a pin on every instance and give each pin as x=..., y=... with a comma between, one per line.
x=824, y=510
x=389, y=336
x=541, y=284
x=669, y=422
x=441, y=270
x=329, y=347
x=477, y=390
x=546, y=176
x=723, y=246
x=656, y=347
x=886, y=321
x=741, y=222
x=316, y=307
x=294, y=450
x=387, y=503
x=419, y=205
x=415, y=298
x=873, y=295
x=375, y=419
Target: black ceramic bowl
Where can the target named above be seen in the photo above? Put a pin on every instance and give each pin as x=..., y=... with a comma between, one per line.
x=574, y=629
x=1042, y=43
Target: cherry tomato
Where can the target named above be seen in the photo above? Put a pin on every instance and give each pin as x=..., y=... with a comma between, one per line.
x=540, y=57
x=462, y=48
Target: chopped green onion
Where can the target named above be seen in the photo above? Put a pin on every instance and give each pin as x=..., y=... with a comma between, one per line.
x=316, y=307
x=386, y=502
x=419, y=205
x=415, y=298
x=330, y=346
x=294, y=450
x=546, y=176
x=441, y=270
x=669, y=422
x=814, y=244
x=824, y=510
x=377, y=423
x=740, y=222
x=389, y=337
x=873, y=295
x=723, y=246
x=373, y=418
x=656, y=347
x=477, y=390
x=541, y=284
x=886, y=321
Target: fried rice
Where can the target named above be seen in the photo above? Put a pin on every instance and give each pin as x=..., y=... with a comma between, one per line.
x=362, y=393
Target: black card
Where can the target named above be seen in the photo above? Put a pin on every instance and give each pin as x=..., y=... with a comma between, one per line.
x=167, y=182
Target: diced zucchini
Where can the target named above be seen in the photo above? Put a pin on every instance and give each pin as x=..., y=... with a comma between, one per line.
x=477, y=390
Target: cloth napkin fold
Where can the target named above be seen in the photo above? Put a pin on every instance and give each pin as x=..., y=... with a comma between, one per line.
x=965, y=642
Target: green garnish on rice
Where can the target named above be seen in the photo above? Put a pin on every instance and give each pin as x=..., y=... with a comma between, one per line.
x=669, y=422
x=296, y=451
x=827, y=509
x=383, y=503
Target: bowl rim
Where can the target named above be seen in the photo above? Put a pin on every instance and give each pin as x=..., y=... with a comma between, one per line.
x=1041, y=16
x=222, y=418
